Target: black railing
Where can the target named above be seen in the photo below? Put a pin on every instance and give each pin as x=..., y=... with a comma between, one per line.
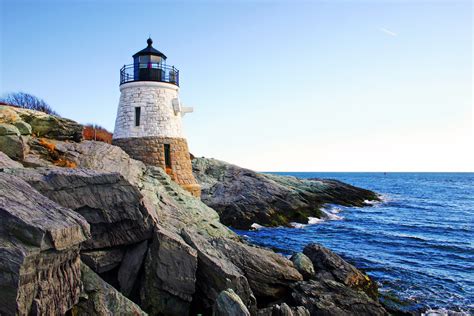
x=149, y=72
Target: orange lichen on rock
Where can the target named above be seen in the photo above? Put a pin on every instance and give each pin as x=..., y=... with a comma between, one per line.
x=61, y=162
x=56, y=157
x=51, y=147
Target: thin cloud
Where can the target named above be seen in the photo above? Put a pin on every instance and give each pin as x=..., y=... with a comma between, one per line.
x=388, y=32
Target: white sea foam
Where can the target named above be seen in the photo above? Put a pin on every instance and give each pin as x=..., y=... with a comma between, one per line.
x=297, y=225
x=256, y=226
x=330, y=213
x=314, y=220
x=371, y=202
x=443, y=312
x=384, y=198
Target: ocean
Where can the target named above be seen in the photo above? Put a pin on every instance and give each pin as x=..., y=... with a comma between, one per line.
x=418, y=243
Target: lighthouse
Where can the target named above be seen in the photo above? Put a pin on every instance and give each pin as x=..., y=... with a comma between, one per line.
x=149, y=117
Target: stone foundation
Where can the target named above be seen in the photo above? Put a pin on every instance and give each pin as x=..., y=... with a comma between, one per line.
x=151, y=151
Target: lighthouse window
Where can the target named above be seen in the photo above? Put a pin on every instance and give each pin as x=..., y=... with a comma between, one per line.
x=137, y=116
x=167, y=148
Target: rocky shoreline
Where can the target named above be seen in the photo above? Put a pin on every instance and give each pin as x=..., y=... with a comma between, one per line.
x=86, y=230
x=243, y=197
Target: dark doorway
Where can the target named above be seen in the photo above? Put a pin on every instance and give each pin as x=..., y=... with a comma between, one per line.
x=167, y=155
x=137, y=116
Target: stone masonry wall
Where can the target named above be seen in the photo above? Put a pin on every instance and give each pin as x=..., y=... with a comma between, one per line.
x=151, y=151
x=157, y=118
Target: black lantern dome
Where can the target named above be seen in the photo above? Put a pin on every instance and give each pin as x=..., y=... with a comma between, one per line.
x=149, y=64
x=149, y=51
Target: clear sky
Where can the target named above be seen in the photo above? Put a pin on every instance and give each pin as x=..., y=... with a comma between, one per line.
x=276, y=85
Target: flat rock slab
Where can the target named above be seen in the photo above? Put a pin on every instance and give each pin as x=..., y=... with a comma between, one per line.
x=36, y=220
x=269, y=274
x=109, y=203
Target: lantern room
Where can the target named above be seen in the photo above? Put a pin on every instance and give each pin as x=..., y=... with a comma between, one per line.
x=149, y=64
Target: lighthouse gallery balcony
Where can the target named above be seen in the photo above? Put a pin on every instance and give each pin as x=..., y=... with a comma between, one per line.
x=149, y=72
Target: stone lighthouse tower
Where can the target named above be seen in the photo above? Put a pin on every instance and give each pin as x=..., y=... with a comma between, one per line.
x=148, y=124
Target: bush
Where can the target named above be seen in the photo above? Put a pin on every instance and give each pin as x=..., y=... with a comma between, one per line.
x=28, y=101
x=97, y=133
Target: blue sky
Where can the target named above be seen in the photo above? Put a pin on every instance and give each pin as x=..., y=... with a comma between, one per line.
x=276, y=85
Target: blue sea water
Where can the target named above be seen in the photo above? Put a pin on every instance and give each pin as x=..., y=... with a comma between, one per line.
x=418, y=244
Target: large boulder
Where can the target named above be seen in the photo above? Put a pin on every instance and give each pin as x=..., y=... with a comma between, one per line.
x=229, y=304
x=269, y=274
x=216, y=273
x=14, y=146
x=39, y=251
x=102, y=157
x=243, y=197
x=303, y=264
x=109, y=203
x=330, y=266
x=8, y=129
x=100, y=298
x=169, y=279
x=328, y=297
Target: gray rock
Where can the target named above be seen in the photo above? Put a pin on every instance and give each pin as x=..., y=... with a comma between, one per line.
x=328, y=297
x=102, y=157
x=330, y=266
x=39, y=251
x=103, y=260
x=216, y=273
x=100, y=298
x=14, y=146
x=111, y=205
x=170, y=275
x=7, y=162
x=41, y=124
x=243, y=197
x=176, y=209
x=229, y=304
x=23, y=127
x=130, y=266
x=303, y=264
x=269, y=274
x=35, y=220
x=8, y=129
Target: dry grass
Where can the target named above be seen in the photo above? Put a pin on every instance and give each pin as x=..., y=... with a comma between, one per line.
x=97, y=133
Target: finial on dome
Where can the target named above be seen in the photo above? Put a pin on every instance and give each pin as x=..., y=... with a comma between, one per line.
x=149, y=41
